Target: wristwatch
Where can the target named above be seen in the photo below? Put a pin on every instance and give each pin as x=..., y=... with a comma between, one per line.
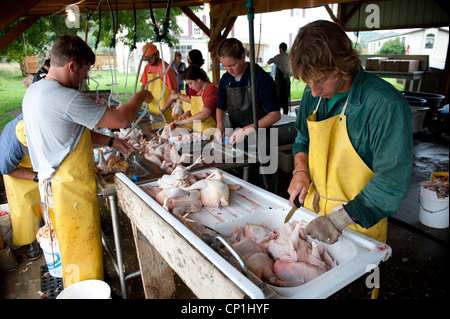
x=36, y=179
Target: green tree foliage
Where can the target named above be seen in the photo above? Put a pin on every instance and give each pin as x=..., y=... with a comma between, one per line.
x=126, y=26
x=393, y=46
x=39, y=38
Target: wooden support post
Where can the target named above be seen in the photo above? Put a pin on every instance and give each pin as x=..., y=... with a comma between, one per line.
x=156, y=274
x=216, y=36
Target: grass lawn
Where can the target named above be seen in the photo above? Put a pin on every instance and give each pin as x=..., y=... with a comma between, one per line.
x=12, y=89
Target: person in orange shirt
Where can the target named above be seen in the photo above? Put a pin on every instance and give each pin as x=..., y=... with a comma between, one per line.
x=152, y=70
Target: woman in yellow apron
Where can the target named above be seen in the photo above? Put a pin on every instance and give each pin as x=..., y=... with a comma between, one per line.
x=23, y=194
x=200, y=114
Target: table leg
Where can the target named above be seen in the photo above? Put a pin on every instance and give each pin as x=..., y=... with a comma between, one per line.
x=117, y=242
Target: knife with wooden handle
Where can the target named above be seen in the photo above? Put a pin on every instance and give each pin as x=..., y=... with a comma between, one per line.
x=294, y=208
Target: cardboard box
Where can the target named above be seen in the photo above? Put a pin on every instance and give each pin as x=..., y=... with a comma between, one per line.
x=408, y=65
x=374, y=63
x=399, y=65
x=388, y=65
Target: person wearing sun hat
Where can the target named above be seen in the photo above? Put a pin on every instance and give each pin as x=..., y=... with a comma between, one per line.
x=153, y=69
x=21, y=187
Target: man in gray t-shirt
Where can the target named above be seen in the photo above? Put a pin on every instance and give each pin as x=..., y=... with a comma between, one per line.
x=58, y=124
x=55, y=116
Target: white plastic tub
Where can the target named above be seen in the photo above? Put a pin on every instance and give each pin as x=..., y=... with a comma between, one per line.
x=52, y=256
x=354, y=252
x=87, y=289
x=434, y=211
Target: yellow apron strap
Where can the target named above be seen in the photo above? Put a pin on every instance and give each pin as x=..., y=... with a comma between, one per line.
x=188, y=107
x=156, y=87
x=197, y=107
x=77, y=215
x=24, y=206
x=334, y=183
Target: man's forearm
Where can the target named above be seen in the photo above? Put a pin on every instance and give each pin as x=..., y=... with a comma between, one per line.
x=300, y=162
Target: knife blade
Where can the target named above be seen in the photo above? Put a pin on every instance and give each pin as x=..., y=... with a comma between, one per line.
x=294, y=208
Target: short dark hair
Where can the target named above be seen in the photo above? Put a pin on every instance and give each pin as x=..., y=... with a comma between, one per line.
x=283, y=46
x=195, y=57
x=193, y=72
x=69, y=48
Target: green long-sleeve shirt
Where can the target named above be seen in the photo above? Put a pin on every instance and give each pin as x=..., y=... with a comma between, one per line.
x=379, y=127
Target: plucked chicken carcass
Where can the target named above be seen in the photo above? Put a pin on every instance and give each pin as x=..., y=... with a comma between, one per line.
x=258, y=234
x=132, y=136
x=213, y=189
x=163, y=151
x=181, y=192
x=290, y=274
x=109, y=163
x=282, y=257
x=173, y=197
x=189, y=202
x=177, y=109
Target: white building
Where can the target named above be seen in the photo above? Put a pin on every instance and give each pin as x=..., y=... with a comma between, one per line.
x=432, y=42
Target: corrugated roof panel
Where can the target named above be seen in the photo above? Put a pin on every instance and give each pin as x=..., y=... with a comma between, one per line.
x=399, y=14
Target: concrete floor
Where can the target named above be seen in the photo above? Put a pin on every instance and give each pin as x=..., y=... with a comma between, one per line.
x=418, y=267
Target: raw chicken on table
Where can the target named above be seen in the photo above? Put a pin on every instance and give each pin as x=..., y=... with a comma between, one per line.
x=282, y=257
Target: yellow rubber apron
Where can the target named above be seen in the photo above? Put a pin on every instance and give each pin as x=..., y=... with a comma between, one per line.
x=197, y=107
x=338, y=174
x=24, y=205
x=156, y=87
x=77, y=215
x=187, y=107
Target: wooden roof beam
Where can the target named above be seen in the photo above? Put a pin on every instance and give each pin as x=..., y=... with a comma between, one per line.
x=10, y=11
x=15, y=32
x=331, y=14
x=217, y=28
x=195, y=19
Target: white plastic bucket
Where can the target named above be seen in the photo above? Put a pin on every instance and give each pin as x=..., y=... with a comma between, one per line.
x=86, y=289
x=52, y=257
x=433, y=210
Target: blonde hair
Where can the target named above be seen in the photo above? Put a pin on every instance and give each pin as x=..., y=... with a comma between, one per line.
x=323, y=47
x=177, y=54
